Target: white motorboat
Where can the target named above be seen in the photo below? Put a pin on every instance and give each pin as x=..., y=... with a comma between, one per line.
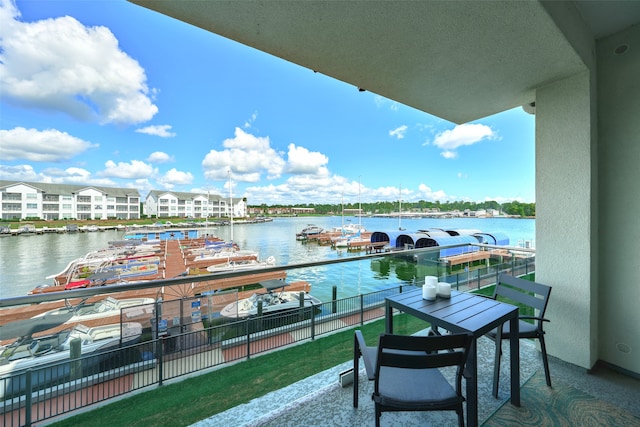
x=39, y=353
x=310, y=230
x=274, y=300
x=238, y=265
x=104, y=308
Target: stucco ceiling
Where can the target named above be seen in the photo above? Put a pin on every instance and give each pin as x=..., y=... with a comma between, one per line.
x=459, y=60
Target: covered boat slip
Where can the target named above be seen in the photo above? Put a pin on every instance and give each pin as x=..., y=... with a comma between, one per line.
x=439, y=237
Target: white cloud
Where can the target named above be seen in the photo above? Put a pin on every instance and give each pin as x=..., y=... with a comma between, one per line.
x=70, y=175
x=20, y=173
x=462, y=135
x=75, y=175
x=40, y=146
x=61, y=65
x=302, y=161
x=425, y=192
x=134, y=170
x=398, y=132
x=249, y=122
x=246, y=156
x=157, y=130
x=175, y=177
x=159, y=157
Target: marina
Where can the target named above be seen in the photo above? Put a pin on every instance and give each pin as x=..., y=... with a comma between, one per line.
x=224, y=318
x=185, y=252
x=27, y=262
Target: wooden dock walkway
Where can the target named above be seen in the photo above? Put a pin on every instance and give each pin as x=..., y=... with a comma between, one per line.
x=173, y=265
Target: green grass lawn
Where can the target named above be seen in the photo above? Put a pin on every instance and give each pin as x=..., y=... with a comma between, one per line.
x=194, y=399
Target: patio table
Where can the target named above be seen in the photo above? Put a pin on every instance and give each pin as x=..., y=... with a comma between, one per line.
x=464, y=312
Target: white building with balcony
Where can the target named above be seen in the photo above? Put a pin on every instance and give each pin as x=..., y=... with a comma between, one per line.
x=34, y=200
x=167, y=204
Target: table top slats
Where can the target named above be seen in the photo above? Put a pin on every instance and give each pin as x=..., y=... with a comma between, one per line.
x=463, y=312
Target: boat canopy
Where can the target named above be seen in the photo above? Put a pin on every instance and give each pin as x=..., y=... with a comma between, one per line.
x=22, y=328
x=500, y=239
x=463, y=232
x=456, y=240
x=270, y=285
x=385, y=236
x=434, y=232
x=415, y=240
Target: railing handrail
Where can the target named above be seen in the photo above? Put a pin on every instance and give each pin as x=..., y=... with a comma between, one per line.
x=89, y=292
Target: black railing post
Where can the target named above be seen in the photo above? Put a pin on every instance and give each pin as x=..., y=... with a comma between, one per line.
x=27, y=401
x=313, y=325
x=334, y=297
x=160, y=344
x=301, y=305
x=248, y=325
x=361, y=309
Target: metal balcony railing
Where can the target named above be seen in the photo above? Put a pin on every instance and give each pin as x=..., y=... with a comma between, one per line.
x=49, y=390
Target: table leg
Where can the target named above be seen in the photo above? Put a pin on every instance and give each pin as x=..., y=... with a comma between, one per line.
x=472, y=385
x=514, y=344
x=388, y=318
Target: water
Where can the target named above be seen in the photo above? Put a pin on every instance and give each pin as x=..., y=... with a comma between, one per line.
x=25, y=261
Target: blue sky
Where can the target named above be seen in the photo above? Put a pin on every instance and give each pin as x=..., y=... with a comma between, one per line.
x=109, y=93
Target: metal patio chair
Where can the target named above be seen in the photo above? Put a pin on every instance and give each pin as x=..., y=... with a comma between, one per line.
x=515, y=290
x=406, y=372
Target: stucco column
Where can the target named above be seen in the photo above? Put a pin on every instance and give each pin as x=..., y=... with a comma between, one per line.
x=619, y=175
x=566, y=216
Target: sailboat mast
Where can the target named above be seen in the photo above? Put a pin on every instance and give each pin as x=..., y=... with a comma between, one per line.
x=400, y=210
x=359, y=205
x=231, y=206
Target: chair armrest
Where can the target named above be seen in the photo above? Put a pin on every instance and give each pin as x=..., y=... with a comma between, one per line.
x=360, y=340
x=533, y=318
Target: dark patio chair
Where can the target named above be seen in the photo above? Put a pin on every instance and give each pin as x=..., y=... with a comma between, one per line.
x=526, y=293
x=406, y=373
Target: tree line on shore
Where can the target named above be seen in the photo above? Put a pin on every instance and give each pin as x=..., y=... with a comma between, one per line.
x=509, y=208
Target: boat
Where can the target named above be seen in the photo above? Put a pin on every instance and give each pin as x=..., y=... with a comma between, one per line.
x=38, y=354
x=5, y=231
x=27, y=230
x=71, y=228
x=109, y=275
x=351, y=240
x=274, y=300
x=104, y=308
x=159, y=233
x=238, y=265
x=310, y=230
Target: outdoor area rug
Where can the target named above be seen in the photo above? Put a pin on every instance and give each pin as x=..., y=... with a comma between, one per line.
x=320, y=401
x=559, y=406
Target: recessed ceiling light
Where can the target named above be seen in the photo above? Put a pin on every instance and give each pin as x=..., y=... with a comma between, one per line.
x=621, y=49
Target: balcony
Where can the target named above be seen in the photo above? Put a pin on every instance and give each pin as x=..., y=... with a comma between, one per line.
x=196, y=346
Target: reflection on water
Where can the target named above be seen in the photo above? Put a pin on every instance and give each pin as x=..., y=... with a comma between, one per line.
x=25, y=261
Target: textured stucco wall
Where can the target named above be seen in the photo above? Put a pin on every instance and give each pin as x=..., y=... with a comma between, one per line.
x=564, y=237
x=619, y=226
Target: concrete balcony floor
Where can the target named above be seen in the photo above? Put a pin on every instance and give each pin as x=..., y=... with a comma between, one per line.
x=321, y=401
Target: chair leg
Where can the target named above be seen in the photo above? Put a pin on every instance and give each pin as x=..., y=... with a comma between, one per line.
x=496, y=365
x=378, y=414
x=545, y=361
x=356, y=367
x=460, y=417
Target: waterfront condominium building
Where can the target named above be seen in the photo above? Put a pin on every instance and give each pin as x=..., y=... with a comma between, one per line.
x=35, y=200
x=164, y=204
